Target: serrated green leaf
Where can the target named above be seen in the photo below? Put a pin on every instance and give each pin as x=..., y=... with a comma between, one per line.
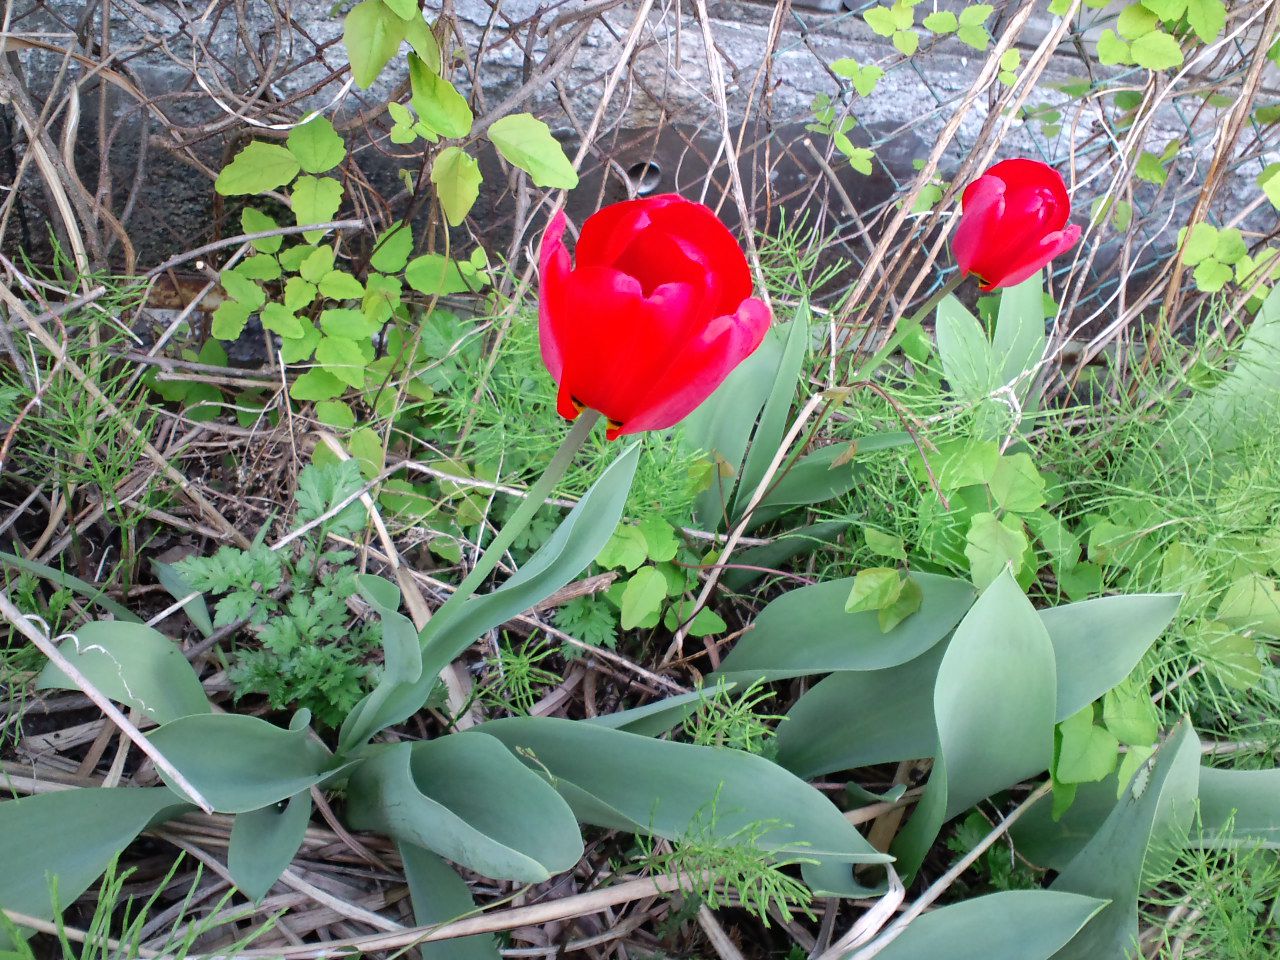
x=229, y=320
x=315, y=200
x=881, y=20
x=627, y=548
x=335, y=413
x=1198, y=243
x=909, y=600
x=1211, y=276
x=340, y=285
x=976, y=14
x=317, y=145
x=907, y=42
x=941, y=22
x=255, y=221
x=342, y=358
x=660, y=538
x=278, y=318
x=526, y=142
x=257, y=168
x=976, y=37
x=317, y=384
x=261, y=266
x=1230, y=246
x=1269, y=181
x=1128, y=713
x=298, y=293
x=457, y=180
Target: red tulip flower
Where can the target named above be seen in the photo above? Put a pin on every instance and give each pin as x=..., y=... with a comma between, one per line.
x=652, y=318
x=1014, y=221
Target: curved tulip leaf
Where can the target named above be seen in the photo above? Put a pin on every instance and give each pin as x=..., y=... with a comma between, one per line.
x=251, y=763
x=264, y=843
x=627, y=782
x=965, y=352
x=855, y=719
x=654, y=719
x=995, y=685
x=771, y=430
x=1053, y=843
x=807, y=631
x=439, y=895
x=1019, y=339
x=567, y=552
x=468, y=799
x=72, y=835
x=1157, y=807
x=132, y=664
x=179, y=587
x=813, y=478
x=1239, y=806
x=858, y=718
x=1097, y=643
x=721, y=426
x=774, y=554
x=401, y=661
x=1015, y=925
x=90, y=593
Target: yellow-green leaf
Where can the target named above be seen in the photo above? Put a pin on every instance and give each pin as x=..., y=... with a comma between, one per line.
x=526, y=142
x=257, y=168
x=457, y=180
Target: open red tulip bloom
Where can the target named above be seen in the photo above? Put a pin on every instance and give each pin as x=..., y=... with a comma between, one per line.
x=1014, y=221
x=655, y=314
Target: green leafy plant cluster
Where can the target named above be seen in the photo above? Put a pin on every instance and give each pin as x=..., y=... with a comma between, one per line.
x=308, y=654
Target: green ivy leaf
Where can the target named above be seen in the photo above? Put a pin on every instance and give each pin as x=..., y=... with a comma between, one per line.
x=1269, y=181
x=298, y=293
x=278, y=318
x=1017, y=485
x=941, y=22
x=372, y=34
x=976, y=15
x=351, y=324
x=340, y=285
x=261, y=266
x=991, y=545
x=1207, y=18
x=257, y=168
x=239, y=287
x=526, y=142
x=642, y=597
x=300, y=349
x=874, y=588
x=1198, y=243
x=627, y=548
x=255, y=221
x=660, y=539
x=1230, y=247
x=908, y=601
x=976, y=37
x=1112, y=50
x=315, y=200
x=317, y=384
x=392, y=248
x=440, y=106
x=229, y=320
x=884, y=544
x=317, y=145
x=1086, y=752
x=859, y=158
x=881, y=20
x=457, y=180
x=1128, y=712
x=435, y=275
x=1136, y=21
x=1156, y=51
x=342, y=358
x=1211, y=276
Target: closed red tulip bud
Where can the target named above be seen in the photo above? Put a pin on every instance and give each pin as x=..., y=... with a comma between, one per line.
x=1014, y=221
x=654, y=315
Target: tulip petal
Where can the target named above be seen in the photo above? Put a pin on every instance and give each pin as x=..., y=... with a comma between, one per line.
x=698, y=368
x=615, y=341
x=1019, y=174
x=554, y=266
x=708, y=242
x=1036, y=256
x=983, y=203
x=608, y=232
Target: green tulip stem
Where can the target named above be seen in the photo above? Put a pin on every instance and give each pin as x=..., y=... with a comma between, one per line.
x=909, y=326
x=533, y=501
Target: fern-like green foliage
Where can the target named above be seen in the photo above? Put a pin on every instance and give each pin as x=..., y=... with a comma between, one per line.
x=309, y=653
